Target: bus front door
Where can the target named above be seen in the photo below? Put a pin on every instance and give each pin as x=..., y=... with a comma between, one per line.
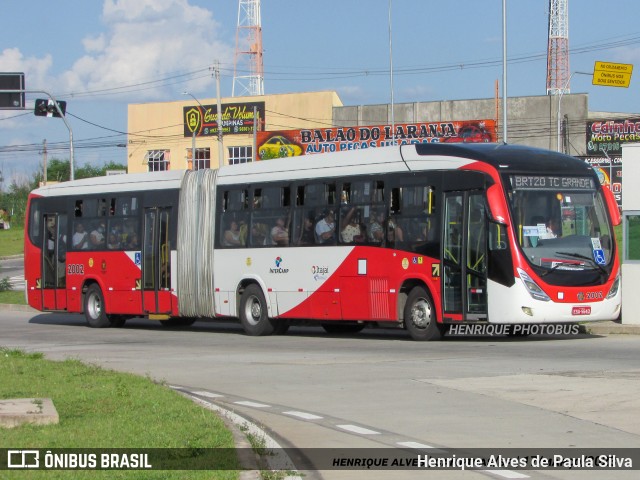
x=54, y=270
x=464, y=257
x=156, y=261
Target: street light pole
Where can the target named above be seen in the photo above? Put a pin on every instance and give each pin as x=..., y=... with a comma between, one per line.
x=560, y=106
x=55, y=103
x=504, y=71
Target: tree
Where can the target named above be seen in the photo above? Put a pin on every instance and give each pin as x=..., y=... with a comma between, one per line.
x=14, y=200
x=59, y=170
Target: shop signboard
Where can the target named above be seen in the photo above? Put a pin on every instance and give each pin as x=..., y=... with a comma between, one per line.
x=289, y=143
x=237, y=119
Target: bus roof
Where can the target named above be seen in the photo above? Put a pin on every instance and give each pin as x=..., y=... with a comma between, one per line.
x=425, y=156
x=114, y=183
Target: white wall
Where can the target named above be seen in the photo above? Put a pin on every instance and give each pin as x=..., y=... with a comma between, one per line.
x=630, y=203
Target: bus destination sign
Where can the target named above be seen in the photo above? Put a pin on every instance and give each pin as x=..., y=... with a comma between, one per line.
x=538, y=182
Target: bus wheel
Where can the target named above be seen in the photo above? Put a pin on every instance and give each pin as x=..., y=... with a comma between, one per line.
x=253, y=312
x=419, y=316
x=339, y=327
x=94, y=308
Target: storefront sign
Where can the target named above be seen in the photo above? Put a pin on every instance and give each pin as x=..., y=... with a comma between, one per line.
x=237, y=118
x=609, y=135
x=289, y=143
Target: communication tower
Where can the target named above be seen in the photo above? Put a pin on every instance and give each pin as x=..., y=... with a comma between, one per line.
x=248, y=73
x=558, y=48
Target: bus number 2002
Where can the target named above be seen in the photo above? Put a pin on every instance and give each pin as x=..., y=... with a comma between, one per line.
x=75, y=269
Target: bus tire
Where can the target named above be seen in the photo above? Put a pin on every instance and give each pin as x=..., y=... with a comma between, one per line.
x=94, y=308
x=253, y=312
x=420, y=316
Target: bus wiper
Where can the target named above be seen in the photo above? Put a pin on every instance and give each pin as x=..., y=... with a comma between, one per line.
x=552, y=269
x=584, y=257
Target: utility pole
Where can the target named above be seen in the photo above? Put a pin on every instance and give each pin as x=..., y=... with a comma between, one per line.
x=220, y=144
x=44, y=160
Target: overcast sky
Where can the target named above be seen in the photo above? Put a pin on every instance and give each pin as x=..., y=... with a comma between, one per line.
x=100, y=56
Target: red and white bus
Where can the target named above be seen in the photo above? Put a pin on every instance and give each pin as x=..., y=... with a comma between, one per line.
x=419, y=236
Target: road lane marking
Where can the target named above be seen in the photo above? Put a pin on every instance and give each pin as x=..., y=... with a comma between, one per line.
x=247, y=403
x=357, y=429
x=208, y=394
x=415, y=445
x=506, y=473
x=305, y=415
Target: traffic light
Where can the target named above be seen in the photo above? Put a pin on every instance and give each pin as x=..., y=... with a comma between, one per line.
x=11, y=91
x=47, y=108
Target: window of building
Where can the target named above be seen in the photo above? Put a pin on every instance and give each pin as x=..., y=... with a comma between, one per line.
x=202, y=159
x=239, y=155
x=158, y=160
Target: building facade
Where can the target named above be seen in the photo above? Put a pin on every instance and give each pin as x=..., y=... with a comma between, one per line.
x=165, y=136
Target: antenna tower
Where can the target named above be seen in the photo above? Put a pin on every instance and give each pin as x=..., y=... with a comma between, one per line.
x=558, y=49
x=248, y=72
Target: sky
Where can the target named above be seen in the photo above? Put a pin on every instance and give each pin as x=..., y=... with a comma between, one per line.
x=101, y=55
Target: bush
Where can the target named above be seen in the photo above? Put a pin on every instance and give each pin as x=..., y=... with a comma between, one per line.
x=5, y=284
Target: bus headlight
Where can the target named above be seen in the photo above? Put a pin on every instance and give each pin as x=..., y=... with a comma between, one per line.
x=614, y=288
x=532, y=287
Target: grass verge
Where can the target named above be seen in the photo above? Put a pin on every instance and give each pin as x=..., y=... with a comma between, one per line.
x=100, y=408
x=14, y=297
x=12, y=241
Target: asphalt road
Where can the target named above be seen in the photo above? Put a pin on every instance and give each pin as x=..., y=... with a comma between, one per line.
x=378, y=388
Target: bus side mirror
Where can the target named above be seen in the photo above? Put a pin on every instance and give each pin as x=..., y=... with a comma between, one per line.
x=612, y=205
x=497, y=204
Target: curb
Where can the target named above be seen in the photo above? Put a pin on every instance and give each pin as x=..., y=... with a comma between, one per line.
x=11, y=257
x=240, y=427
x=612, y=328
x=12, y=307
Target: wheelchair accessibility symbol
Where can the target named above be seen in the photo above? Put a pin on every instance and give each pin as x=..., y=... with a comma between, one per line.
x=598, y=256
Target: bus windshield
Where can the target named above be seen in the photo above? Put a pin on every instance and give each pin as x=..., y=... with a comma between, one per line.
x=562, y=223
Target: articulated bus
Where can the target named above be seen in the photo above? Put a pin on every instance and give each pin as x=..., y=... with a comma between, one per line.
x=416, y=236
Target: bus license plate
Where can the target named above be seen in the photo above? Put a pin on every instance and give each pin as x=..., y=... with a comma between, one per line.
x=581, y=311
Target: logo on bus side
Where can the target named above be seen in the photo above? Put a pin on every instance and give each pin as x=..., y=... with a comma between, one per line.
x=278, y=269
x=319, y=273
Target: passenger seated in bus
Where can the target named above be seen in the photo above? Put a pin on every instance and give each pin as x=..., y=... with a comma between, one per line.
x=80, y=239
x=97, y=236
x=326, y=228
x=394, y=232
x=280, y=233
x=351, y=232
x=259, y=232
x=306, y=236
x=420, y=239
x=113, y=243
x=231, y=237
x=376, y=229
x=132, y=241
